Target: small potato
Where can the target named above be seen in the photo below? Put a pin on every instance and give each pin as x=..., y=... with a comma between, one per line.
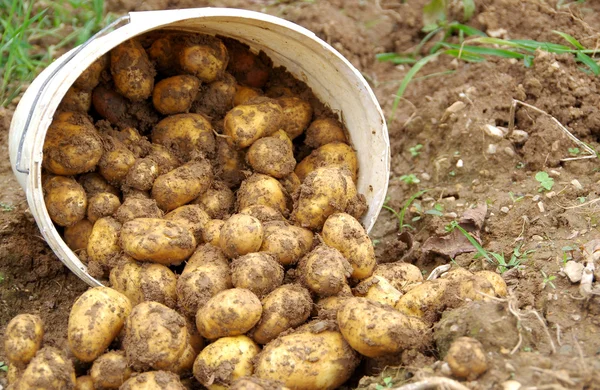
x=212, y=232
x=346, y=234
x=206, y=61
x=246, y=123
x=158, y=284
x=297, y=114
x=248, y=68
x=257, y=272
x=110, y=105
x=291, y=183
x=90, y=77
x=475, y=288
x=164, y=158
x=94, y=184
x=285, y=307
x=288, y=243
x=224, y=361
x=126, y=277
x=204, y=255
x=23, y=338
x=263, y=213
x=263, y=190
x=49, y=369
x=425, y=301
x=497, y=282
x=253, y=383
x=110, y=370
x=324, y=131
x=217, y=97
x=84, y=383
x=374, y=329
x=186, y=135
x=243, y=94
x=217, y=201
x=229, y=313
x=230, y=164
x=103, y=244
x=102, y=205
x=324, y=271
x=402, y=276
x=197, y=285
x=65, y=200
x=328, y=307
x=132, y=70
x=272, y=156
x=96, y=319
x=378, y=289
x=154, y=380
x=77, y=236
x=135, y=207
x=162, y=54
x=76, y=100
x=466, y=358
x=182, y=185
x=72, y=145
x=329, y=155
x=116, y=161
x=193, y=216
x=155, y=337
x=133, y=140
x=157, y=240
x=241, y=234
x=175, y=95
x=186, y=362
x=142, y=174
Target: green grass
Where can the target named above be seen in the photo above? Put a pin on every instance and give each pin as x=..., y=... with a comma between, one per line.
x=400, y=215
x=33, y=35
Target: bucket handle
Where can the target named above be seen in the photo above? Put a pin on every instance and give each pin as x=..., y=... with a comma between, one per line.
x=18, y=166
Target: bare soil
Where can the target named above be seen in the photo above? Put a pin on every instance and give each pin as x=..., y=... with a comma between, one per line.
x=544, y=335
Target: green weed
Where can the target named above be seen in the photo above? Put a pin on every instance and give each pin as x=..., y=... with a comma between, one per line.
x=387, y=384
x=411, y=178
x=6, y=207
x=400, y=215
x=548, y=280
x=3, y=367
x=415, y=150
x=546, y=182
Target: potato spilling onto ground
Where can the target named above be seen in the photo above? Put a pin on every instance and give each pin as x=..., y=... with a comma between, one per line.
x=23, y=338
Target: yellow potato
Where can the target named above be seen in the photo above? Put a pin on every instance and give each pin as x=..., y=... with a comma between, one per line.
x=132, y=70
x=402, y=276
x=260, y=189
x=288, y=243
x=102, y=205
x=65, y=200
x=291, y=183
x=191, y=215
x=297, y=114
x=272, y=155
x=133, y=140
x=84, y=383
x=336, y=154
x=324, y=271
x=246, y=123
x=324, y=131
x=175, y=94
x=154, y=380
x=93, y=184
x=497, y=282
x=90, y=77
x=126, y=277
x=23, y=338
x=466, y=358
x=378, y=289
x=76, y=100
x=263, y=213
x=217, y=201
x=142, y=174
x=207, y=60
x=110, y=370
x=116, y=161
x=158, y=284
x=212, y=232
x=164, y=158
x=186, y=135
x=137, y=207
x=231, y=163
x=254, y=383
x=162, y=53
x=49, y=369
x=241, y=234
x=424, y=301
x=328, y=307
x=257, y=272
x=185, y=363
x=182, y=185
x=244, y=94
x=103, y=244
x=217, y=97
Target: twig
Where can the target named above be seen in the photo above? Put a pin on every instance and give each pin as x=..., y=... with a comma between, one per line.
x=591, y=202
x=437, y=271
x=433, y=383
x=555, y=375
x=516, y=348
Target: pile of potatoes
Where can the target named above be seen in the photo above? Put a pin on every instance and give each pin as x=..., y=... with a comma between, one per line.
x=217, y=198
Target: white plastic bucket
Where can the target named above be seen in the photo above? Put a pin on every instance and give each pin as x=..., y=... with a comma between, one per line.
x=330, y=76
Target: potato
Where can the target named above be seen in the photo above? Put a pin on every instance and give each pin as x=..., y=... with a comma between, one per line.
x=230, y=163
x=324, y=131
x=272, y=156
x=207, y=61
x=243, y=94
x=175, y=94
x=84, y=383
x=102, y=205
x=374, y=329
x=23, y=338
x=224, y=361
x=76, y=236
x=248, y=68
x=193, y=216
x=466, y=358
x=72, y=145
x=288, y=243
x=132, y=70
x=324, y=270
x=217, y=201
x=457, y=274
x=116, y=161
x=241, y=234
x=103, y=244
x=158, y=284
x=65, y=200
x=49, y=369
x=229, y=313
x=263, y=213
x=474, y=288
x=96, y=318
x=425, y=301
x=346, y=234
x=285, y=307
x=76, y=100
x=217, y=97
x=186, y=362
x=212, y=232
x=90, y=77
x=186, y=135
x=497, y=282
x=291, y=183
x=133, y=140
x=257, y=272
x=311, y=358
x=402, y=276
x=182, y=185
x=154, y=380
x=164, y=158
x=142, y=174
x=378, y=289
x=253, y=383
x=110, y=370
x=246, y=123
x=328, y=307
x=263, y=190
x=155, y=337
x=162, y=53
x=94, y=184
x=329, y=155
x=297, y=114
x=136, y=207
x=278, y=91
x=126, y=277
x=157, y=240
x=110, y=105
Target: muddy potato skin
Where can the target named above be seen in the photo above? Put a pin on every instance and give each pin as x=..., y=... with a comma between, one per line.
x=257, y=272
x=402, y=276
x=497, y=282
x=116, y=160
x=72, y=145
x=346, y=234
x=154, y=380
x=102, y=205
x=425, y=300
x=332, y=154
x=231, y=312
x=241, y=234
x=193, y=216
x=224, y=361
x=260, y=189
x=158, y=240
x=324, y=271
x=217, y=201
x=142, y=174
x=185, y=135
x=230, y=163
x=132, y=70
x=164, y=158
x=212, y=232
x=76, y=100
x=324, y=131
x=136, y=207
x=84, y=383
x=466, y=358
x=103, y=243
x=217, y=97
x=378, y=289
x=65, y=200
x=158, y=284
x=110, y=370
x=93, y=184
x=207, y=62
x=49, y=369
x=76, y=236
x=182, y=185
x=254, y=383
x=272, y=156
x=175, y=94
x=288, y=243
x=263, y=213
x=126, y=277
x=90, y=77
x=244, y=94
x=297, y=114
x=286, y=307
x=23, y=338
x=96, y=318
x=246, y=123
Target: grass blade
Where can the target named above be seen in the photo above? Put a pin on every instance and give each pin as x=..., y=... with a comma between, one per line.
x=589, y=62
x=469, y=9
x=433, y=13
x=468, y=30
x=395, y=58
x=464, y=55
x=486, y=51
x=570, y=39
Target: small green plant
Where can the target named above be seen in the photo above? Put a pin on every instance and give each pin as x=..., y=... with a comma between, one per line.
x=3, y=367
x=546, y=182
x=410, y=179
x=548, y=280
x=6, y=207
x=581, y=199
x=437, y=210
x=520, y=165
x=387, y=384
x=574, y=151
x=514, y=198
x=415, y=150
x=400, y=215
x=567, y=254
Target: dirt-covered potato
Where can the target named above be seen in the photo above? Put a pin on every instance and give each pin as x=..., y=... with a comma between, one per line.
x=248, y=68
x=72, y=145
x=94, y=184
x=263, y=213
x=224, y=361
x=132, y=71
x=125, y=277
x=246, y=123
x=324, y=271
x=287, y=243
x=324, y=131
x=272, y=155
x=291, y=183
x=207, y=60
x=297, y=114
x=142, y=174
x=186, y=135
x=193, y=216
x=76, y=236
x=102, y=205
x=217, y=201
x=329, y=155
x=110, y=370
x=378, y=289
x=162, y=53
x=164, y=158
x=96, y=318
x=497, y=282
x=90, y=77
x=23, y=338
x=103, y=243
x=136, y=207
x=212, y=232
x=65, y=200
x=328, y=307
x=76, y=100
x=110, y=105
x=243, y=94
x=425, y=301
x=155, y=337
x=285, y=307
x=466, y=358
x=84, y=383
x=154, y=380
x=158, y=240
x=230, y=164
x=374, y=329
x=229, y=313
x=402, y=276
x=346, y=234
x=313, y=357
x=217, y=97
x=175, y=95
x=254, y=383
x=257, y=272
x=241, y=234
x=49, y=369
x=133, y=140
x=263, y=190
x=182, y=185
x=116, y=161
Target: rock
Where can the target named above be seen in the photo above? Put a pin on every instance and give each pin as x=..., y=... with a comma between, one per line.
x=511, y=385
x=541, y=207
x=574, y=271
x=536, y=198
x=493, y=131
x=519, y=136
x=575, y=183
x=492, y=148
x=505, y=210
x=509, y=151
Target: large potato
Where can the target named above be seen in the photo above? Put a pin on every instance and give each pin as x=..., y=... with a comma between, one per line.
x=142, y=174
x=378, y=289
x=22, y=338
x=175, y=94
x=158, y=240
x=403, y=276
x=65, y=200
x=132, y=70
x=206, y=60
x=241, y=234
x=102, y=205
x=84, y=382
x=72, y=145
x=297, y=114
x=212, y=232
x=193, y=216
x=198, y=285
x=77, y=236
x=217, y=201
x=164, y=158
x=425, y=301
x=272, y=155
x=154, y=380
x=49, y=369
x=116, y=161
x=137, y=207
x=96, y=318
x=324, y=271
x=182, y=185
x=126, y=277
x=260, y=189
x=230, y=164
x=110, y=370
x=76, y=100
x=186, y=135
x=346, y=234
x=110, y=105
x=329, y=155
x=246, y=123
x=229, y=313
x=90, y=77
x=224, y=361
x=133, y=140
x=103, y=244
x=324, y=131
x=158, y=284
x=288, y=243
x=257, y=272
x=497, y=282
